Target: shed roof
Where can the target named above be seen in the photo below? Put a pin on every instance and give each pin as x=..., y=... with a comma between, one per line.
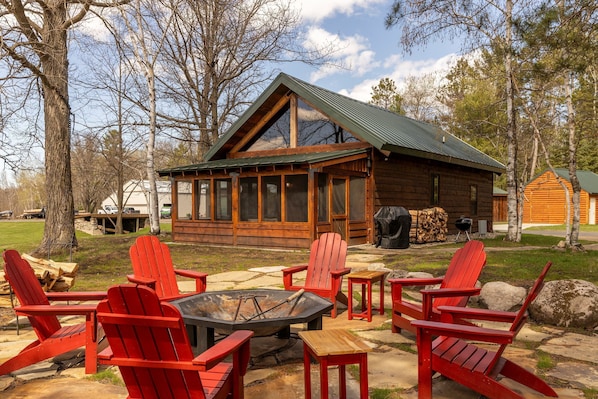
x=588, y=180
x=382, y=129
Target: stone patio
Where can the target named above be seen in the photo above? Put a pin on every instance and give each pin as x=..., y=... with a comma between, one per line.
x=276, y=369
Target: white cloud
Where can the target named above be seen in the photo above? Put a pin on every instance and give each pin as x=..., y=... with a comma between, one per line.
x=317, y=10
x=399, y=69
x=351, y=53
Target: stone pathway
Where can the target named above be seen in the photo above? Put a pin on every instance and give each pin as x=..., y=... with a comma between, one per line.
x=276, y=370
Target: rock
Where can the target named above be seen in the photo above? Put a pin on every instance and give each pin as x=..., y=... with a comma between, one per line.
x=498, y=295
x=567, y=303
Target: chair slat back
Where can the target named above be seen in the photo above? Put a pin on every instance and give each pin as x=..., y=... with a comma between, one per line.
x=463, y=271
x=151, y=259
x=327, y=253
x=148, y=331
x=28, y=291
x=521, y=317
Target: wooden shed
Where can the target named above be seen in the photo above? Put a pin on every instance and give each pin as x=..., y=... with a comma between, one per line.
x=302, y=161
x=545, y=199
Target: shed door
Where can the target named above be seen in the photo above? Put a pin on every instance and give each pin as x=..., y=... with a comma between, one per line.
x=339, y=206
x=592, y=216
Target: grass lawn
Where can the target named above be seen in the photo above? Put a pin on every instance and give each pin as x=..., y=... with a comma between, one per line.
x=104, y=260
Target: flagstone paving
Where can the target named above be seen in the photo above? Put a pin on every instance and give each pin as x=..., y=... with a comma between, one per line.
x=276, y=369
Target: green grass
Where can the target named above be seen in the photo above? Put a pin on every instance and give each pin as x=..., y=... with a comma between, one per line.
x=104, y=260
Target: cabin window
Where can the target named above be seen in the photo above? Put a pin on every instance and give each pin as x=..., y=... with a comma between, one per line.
x=202, y=199
x=248, y=199
x=322, y=197
x=435, y=200
x=275, y=135
x=184, y=199
x=473, y=199
x=223, y=191
x=295, y=198
x=357, y=198
x=314, y=128
x=271, y=198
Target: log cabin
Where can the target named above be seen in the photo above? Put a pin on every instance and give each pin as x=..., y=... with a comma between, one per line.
x=303, y=160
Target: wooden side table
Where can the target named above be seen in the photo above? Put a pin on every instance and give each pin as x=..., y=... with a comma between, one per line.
x=334, y=348
x=366, y=278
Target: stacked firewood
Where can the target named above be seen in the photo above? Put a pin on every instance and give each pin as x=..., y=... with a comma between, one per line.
x=53, y=276
x=428, y=225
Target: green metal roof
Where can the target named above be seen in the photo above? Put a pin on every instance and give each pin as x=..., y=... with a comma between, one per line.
x=588, y=180
x=384, y=130
x=237, y=163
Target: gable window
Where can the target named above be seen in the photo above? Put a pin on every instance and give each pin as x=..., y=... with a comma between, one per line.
x=435, y=200
x=276, y=134
x=473, y=199
x=296, y=198
x=315, y=128
x=271, y=198
x=202, y=199
x=184, y=199
x=248, y=199
x=223, y=191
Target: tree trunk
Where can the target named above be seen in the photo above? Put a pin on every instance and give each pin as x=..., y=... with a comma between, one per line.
x=59, y=230
x=573, y=238
x=513, y=230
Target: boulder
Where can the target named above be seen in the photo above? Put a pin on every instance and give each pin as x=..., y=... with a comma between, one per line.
x=567, y=303
x=498, y=295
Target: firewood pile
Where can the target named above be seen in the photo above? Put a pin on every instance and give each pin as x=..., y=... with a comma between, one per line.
x=53, y=276
x=428, y=225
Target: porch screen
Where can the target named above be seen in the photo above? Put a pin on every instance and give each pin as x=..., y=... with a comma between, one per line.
x=296, y=198
x=248, y=199
x=271, y=198
x=202, y=199
x=184, y=199
x=223, y=199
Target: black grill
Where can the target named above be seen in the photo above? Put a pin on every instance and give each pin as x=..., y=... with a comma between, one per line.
x=464, y=225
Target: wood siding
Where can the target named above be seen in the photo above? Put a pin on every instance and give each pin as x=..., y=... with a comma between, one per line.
x=545, y=201
x=407, y=181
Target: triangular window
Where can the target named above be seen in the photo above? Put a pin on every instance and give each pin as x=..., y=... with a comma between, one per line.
x=313, y=128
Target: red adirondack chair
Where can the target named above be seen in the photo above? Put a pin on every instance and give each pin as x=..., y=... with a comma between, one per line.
x=152, y=266
x=457, y=285
x=325, y=270
x=468, y=364
x=52, y=338
x=149, y=343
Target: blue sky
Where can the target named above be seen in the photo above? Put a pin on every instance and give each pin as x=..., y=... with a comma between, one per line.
x=366, y=49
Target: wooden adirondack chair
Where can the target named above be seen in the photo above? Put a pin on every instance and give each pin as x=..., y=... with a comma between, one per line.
x=468, y=364
x=152, y=266
x=325, y=270
x=456, y=287
x=52, y=338
x=149, y=343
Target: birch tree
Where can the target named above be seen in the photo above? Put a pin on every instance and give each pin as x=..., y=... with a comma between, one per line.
x=480, y=23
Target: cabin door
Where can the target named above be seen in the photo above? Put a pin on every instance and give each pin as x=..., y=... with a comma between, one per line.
x=339, y=206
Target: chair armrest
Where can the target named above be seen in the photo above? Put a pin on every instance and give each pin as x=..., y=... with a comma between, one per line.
x=397, y=284
x=434, y=328
x=449, y=313
x=415, y=281
x=429, y=295
x=237, y=344
x=287, y=274
x=200, y=278
x=149, y=282
x=341, y=272
x=76, y=296
x=55, y=310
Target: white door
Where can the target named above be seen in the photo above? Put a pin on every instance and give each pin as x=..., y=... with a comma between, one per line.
x=592, y=216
